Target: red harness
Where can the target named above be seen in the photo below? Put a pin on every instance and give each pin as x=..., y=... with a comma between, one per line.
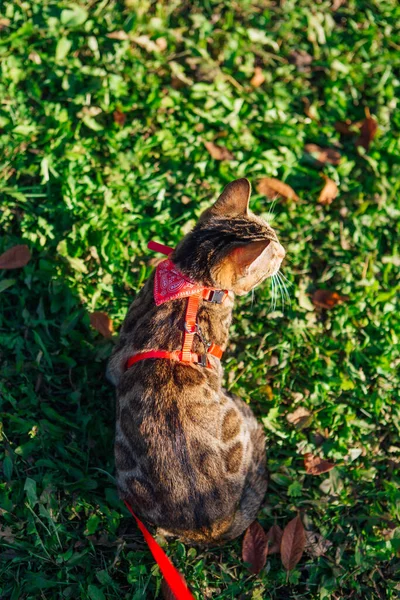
x=171, y=284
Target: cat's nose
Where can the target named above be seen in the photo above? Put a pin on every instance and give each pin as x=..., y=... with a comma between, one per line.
x=279, y=251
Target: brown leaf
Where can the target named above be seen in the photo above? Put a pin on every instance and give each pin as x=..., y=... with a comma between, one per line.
x=328, y=192
x=274, y=538
x=315, y=465
x=255, y=547
x=316, y=544
x=34, y=57
x=368, y=131
x=4, y=23
x=300, y=418
x=323, y=155
x=258, y=77
x=102, y=323
x=118, y=35
x=327, y=299
x=293, y=542
x=273, y=188
x=119, y=117
x=301, y=59
x=166, y=591
x=218, y=152
x=15, y=257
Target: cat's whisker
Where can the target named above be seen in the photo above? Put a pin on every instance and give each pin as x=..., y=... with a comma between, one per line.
x=273, y=302
x=285, y=278
x=284, y=287
x=280, y=287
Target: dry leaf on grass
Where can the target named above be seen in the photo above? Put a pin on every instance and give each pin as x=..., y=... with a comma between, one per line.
x=368, y=131
x=35, y=58
x=118, y=35
x=273, y=188
x=315, y=465
x=166, y=591
x=300, y=418
x=146, y=43
x=274, y=538
x=255, y=547
x=15, y=257
x=119, y=117
x=328, y=192
x=102, y=323
x=258, y=77
x=293, y=543
x=218, y=152
x=316, y=544
x=322, y=156
x=300, y=58
x=327, y=299
x=4, y=23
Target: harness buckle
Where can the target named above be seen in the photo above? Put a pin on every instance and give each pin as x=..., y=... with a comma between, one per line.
x=217, y=296
x=202, y=360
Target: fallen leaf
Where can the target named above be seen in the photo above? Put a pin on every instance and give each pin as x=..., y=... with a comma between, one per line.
x=336, y=4
x=102, y=323
x=218, y=152
x=7, y=534
x=293, y=543
x=315, y=465
x=322, y=156
x=166, y=591
x=118, y=35
x=301, y=59
x=328, y=192
x=309, y=109
x=255, y=547
x=4, y=23
x=316, y=544
x=258, y=77
x=34, y=57
x=15, y=257
x=274, y=538
x=368, y=131
x=119, y=117
x=300, y=418
x=327, y=299
x=273, y=188
x=161, y=43
x=145, y=42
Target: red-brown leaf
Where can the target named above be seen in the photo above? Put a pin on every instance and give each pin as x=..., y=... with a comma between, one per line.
x=273, y=188
x=218, y=152
x=166, y=591
x=368, y=131
x=15, y=257
x=293, y=543
x=274, y=538
x=102, y=323
x=258, y=77
x=119, y=117
x=315, y=465
x=328, y=192
x=323, y=155
x=255, y=547
x=327, y=299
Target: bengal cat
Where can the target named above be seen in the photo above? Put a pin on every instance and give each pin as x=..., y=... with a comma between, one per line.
x=190, y=457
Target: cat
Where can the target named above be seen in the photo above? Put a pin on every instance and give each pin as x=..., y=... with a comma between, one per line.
x=190, y=457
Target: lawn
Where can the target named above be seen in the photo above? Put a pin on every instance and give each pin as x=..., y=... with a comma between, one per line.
x=105, y=111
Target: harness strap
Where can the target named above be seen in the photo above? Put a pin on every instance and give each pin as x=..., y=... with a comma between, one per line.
x=171, y=575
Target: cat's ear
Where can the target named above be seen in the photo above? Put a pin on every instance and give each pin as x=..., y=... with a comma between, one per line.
x=234, y=200
x=246, y=257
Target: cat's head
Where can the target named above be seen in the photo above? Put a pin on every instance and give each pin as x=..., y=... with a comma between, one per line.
x=230, y=247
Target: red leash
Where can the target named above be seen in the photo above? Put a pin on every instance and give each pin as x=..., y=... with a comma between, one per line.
x=171, y=574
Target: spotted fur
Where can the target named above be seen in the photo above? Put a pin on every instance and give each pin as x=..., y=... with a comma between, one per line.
x=190, y=458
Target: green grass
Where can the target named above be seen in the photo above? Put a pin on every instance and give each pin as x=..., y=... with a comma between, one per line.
x=86, y=194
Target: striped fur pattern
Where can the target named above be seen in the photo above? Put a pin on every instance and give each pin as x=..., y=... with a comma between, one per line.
x=190, y=458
